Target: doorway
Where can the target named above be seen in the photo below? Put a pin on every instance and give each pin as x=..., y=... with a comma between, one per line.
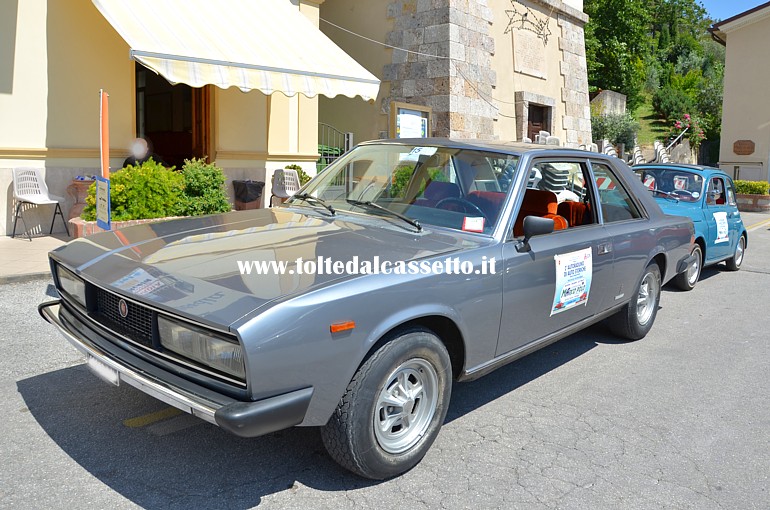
x=538, y=119
x=175, y=119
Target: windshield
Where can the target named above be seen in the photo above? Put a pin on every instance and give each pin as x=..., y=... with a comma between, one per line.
x=442, y=186
x=681, y=184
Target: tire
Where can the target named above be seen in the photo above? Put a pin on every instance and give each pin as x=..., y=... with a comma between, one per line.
x=369, y=437
x=635, y=319
x=687, y=280
x=734, y=263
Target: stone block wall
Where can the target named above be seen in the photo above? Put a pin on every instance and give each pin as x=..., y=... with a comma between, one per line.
x=574, y=92
x=458, y=91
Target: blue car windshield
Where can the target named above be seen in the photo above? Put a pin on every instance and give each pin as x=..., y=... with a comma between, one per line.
x=684, y=185
x=449, y=187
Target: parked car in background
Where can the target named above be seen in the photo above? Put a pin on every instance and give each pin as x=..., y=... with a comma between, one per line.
x=370, y=356
x=707, y=196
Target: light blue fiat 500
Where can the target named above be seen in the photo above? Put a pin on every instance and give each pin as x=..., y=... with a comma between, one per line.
x=707, y=196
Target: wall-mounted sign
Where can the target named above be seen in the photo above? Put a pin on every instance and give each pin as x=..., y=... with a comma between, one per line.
x=409, y=121
x=744, y=147
x=103, y=202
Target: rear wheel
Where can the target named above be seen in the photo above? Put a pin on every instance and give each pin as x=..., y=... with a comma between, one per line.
x=734, y=263
x=635, y=319
x=688, y=279
x=393, y=408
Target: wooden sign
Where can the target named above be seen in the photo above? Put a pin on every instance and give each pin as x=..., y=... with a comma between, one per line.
x=744, y=147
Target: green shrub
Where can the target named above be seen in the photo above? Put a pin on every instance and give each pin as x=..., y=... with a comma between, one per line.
x=619, y=128
x=672, y=103
x=140, y=192
x=303, y=176
x=752, y=187
x=204, y=189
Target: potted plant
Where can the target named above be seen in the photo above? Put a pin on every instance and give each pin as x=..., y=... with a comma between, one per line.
x=753, y=196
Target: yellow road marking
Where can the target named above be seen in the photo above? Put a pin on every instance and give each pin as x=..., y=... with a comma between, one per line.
x=757, y=225
x=147, y=419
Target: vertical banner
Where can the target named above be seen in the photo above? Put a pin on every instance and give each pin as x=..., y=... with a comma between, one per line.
x=103, y=214
x=104, y=132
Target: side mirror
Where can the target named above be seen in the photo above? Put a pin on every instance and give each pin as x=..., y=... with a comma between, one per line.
x=534, y=226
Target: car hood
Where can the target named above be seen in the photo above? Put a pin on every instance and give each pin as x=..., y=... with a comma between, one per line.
x=191, y=267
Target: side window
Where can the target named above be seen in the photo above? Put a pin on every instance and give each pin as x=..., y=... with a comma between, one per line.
x=716, y=192
x=730, y=193
x=615, y=201
x=560, y=193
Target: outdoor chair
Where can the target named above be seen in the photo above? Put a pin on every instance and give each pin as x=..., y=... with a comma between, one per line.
x=285, y=184
x=29, y=188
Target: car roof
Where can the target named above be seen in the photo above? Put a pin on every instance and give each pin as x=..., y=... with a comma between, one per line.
x=681, y=166
x=490, y=145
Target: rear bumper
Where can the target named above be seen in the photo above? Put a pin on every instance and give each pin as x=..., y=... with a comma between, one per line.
x=245, y=419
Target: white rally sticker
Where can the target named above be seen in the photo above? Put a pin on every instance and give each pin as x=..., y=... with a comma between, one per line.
x=473, y=224
x=573, y=280
x=723, y=230
x=415, y=153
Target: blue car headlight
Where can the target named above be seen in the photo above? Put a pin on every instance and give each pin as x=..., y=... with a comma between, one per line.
x=205, y=347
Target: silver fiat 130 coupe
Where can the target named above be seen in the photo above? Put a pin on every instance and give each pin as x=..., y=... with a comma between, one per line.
x=353, y=306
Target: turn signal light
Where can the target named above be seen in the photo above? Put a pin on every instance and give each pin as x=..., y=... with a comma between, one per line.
x=338, y=327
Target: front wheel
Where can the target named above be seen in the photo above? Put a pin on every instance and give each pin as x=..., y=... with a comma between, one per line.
x=734, y=263
x=688, y=279
x=393, y=408
x=635, y=319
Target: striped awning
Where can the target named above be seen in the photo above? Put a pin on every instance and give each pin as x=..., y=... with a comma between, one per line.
x=265, y=45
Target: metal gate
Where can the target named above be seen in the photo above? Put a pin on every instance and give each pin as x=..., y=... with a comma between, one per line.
x=332, y=143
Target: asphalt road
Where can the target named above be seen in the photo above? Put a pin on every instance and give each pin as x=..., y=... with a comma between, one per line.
x=680, y=419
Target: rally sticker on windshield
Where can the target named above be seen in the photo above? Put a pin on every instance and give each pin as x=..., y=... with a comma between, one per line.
x=473, y=224
x=723, y=230
x=573, y=280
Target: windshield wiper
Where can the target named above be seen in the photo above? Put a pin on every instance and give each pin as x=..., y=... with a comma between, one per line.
x=665, y=194
x=372, y=205
x=315, y=200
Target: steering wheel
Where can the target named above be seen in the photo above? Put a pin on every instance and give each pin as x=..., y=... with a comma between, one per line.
x=467, y=206
x=685, y=195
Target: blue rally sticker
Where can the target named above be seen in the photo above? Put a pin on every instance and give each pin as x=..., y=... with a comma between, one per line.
x=573, y=280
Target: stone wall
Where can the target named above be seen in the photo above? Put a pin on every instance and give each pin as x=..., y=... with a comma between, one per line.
x=459, y=90
x=608, y=102
x=574, y=71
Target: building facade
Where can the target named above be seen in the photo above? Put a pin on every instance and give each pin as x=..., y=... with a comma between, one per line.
x=55, y=56
x=745, y=146
x=489, y=69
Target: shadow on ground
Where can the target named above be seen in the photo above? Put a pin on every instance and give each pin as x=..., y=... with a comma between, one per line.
x=204, y=467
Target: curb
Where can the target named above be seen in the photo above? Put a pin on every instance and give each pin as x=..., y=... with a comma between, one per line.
x=24, y=278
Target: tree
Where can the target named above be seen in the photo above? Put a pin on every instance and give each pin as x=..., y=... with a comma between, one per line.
x=617, y=39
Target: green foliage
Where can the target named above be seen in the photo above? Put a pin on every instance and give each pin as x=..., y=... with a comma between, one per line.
x=752, y=187
x=303, y=176
x=659, y=48
x=142, y=192
x=617, y=36
x=617, y=129
x=204, y=189
x=671, y=103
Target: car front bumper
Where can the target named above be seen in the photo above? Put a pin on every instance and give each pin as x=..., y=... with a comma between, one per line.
x=245, y=419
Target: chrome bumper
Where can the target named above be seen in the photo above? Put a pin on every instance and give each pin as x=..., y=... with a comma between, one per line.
x=246, y=419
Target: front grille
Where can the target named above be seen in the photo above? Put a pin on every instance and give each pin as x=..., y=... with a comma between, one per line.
x=137, y=325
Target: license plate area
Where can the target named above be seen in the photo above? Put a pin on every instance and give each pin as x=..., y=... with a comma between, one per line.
x=102, y=371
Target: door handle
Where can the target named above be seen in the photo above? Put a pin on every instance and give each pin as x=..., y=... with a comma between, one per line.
x=604, y=248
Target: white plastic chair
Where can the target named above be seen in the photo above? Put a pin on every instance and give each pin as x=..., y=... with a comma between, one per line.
x=285, y=184
x=29, y=187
